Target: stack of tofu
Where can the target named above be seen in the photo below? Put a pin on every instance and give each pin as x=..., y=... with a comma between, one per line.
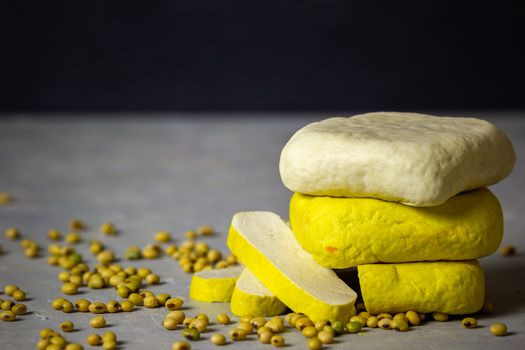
x=402, y=196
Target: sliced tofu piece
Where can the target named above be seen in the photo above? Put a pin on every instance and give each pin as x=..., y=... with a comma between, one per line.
x=214, y=285
x=452, y=287
x=251, y=297
x=267, y=246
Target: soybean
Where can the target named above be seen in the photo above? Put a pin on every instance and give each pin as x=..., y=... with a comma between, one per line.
x=277, y=341
x=469, y=322
x=218, y=339
x=440, y=316
x=97, y=322
x=498, y=329
x=7, y=315
x=181, y=345
x=94, y=339
x=67, y=326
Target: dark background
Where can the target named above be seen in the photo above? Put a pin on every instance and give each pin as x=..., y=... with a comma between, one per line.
x=264, y=55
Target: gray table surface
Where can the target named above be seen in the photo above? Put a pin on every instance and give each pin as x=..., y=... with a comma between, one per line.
x=175, y=173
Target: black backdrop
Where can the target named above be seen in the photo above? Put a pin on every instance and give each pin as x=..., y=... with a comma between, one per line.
x=261, y=55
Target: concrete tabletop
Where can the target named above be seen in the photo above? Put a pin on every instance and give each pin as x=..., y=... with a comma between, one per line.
x=174, y=173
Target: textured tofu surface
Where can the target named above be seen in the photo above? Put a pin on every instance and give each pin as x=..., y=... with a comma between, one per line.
x=248, y=283
x=267, y=246
x=214, y=285
x=345, y=232
x=452, y=287
x=251, y=297
x=416, y=159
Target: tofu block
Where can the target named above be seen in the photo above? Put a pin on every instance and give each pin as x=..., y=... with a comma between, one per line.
x=214, y=285
x=452, y=287
x=267, y=246
x=345, y=232
x=251, y=297
x=415, y=159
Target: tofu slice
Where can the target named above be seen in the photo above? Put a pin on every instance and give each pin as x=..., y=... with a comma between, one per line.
x=214, y=285
x=251, y=297
x=267, y=246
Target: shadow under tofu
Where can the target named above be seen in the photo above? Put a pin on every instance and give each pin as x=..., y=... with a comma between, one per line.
x=350, y=277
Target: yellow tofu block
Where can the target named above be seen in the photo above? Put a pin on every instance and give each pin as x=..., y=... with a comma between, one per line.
x=251, y=297
x=345, y=232
x=267, y=246
x=452, y=287
x=214, y=285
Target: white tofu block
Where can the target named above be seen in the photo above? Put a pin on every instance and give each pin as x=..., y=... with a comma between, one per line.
x=415, y=159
